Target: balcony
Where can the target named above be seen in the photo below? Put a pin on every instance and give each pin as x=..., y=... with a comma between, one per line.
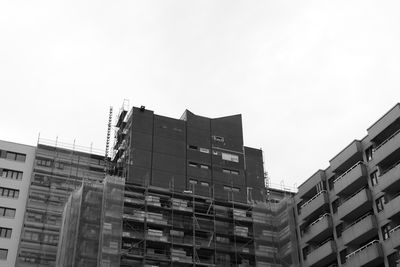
x=323, y=255
x=319, y=230
x=361, y=231
x=389, y=150
x=369, y=255
x=392, y=208
x=389, y=181
x=384, y=122
x=314, y=206
x=351, y=180
x=356, y=205
x=307, y=189
x=394, y=239
x=347, y=157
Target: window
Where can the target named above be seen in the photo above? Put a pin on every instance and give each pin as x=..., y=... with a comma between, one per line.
x=379, y=203
x=10, y=174
x=204, y=183
x=5, y=232
x=204, y=150
x=339, y=230
x=374, y=178
x=43, y=162
x=191, y=181
x=3, y=253
x=230, y=157
x=218, y=138
x=192, y=164
x=235, y=189
x=204, y=166
x=227, y=188
x=228, y=171
x=12, y=156
x=368, y=153
x=7, y=212
x=193, y=147
x=385, y=231
x=9, y=192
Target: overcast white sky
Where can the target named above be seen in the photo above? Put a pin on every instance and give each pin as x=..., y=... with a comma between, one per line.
x=307, y=76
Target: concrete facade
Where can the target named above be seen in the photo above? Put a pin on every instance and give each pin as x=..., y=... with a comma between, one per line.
x=349, y=214
x=16, y=162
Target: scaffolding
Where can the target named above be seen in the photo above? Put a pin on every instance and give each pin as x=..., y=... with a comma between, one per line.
x=92, y=226
x=163, y=227
x=59, y=169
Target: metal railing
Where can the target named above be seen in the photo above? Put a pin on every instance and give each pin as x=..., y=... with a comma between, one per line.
x=394, y=229
x=314, y=197
x=358, y=220
x=349, y=170
x=361, y=249
x=387, y=140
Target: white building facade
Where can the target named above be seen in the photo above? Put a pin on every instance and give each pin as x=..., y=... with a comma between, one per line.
x=16, y=163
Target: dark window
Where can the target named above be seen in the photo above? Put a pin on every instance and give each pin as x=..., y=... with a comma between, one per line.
x=3, y=253
x=7, y=212
x=379, y=203
x=10, y=174
x=374, y=178
x=385, y=231
x=335, y=205
x=218, y=138
x=368, y=153
x=5, y=232
x=9, y=192
x=230, y=171
x=193, y=147
x=12, y=156
x=339, y=230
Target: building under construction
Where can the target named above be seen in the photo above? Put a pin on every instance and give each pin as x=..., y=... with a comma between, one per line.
x=193, y=195
x=58, y=170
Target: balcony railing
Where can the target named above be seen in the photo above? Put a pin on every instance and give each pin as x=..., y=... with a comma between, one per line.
x=349, y=170
x=361, y=249
x=394, y=229
x=317, y=220
x=358, y=220
x=387, y=140
x=314, y=197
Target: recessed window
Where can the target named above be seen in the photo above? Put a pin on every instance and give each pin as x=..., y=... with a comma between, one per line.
x=10, y=174
x=204, y=166
x=385, y=231
x=193, y=147
x=12, y=156
x=191, y=181
x=5, y=232
x=7, y=212
x=3, y=253
x=218, y=138
x=374, y=178
x=204, y=150
x=193, y=164
x=228, y=171
x=204, y=184
x=380, y=203
x=9, y=192
x=235, y=189
x=368, y=153
x=227, y=188
x=230, y=157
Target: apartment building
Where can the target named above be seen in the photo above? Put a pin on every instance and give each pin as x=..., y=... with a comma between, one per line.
x=349, y=214
x=16, y=162
x=58, y=170
x=192, y=195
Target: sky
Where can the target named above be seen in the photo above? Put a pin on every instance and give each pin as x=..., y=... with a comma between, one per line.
x=308, y=77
